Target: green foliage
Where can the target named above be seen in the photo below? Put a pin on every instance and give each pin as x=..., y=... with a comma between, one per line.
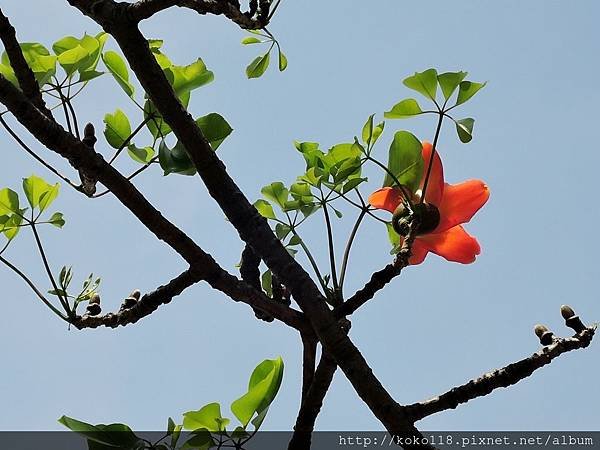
x=425, y=83
x=176, y=160
x=405, y=161
x=117, y=66
x=449, y=81
x=404, y=109
x=466, y=90
x=117, y=129
x=39, y=194
x=207, y=425
x=260, y=64
x=464, y=129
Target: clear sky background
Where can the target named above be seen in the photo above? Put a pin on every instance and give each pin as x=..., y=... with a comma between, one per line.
x=436, y=326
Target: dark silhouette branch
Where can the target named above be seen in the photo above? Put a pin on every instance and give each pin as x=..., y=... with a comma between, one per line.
x=504, y=377
x=309, y=354
x=23, y=72
x=250, y=20
x=312, y=403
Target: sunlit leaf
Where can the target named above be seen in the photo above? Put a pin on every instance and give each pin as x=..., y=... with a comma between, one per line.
x=424, y=83
x=118, y=68
x=466, y=90
x=406, y=108
x=405, y=161
x=449, y=81
x=141, y=155
x=117, y=129
x=258, y=66
x=265, y=209
x=214, y=128
x=208, y=417
x=464, y=129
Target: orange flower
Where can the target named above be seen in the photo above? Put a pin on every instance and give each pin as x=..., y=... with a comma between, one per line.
x=456, y=203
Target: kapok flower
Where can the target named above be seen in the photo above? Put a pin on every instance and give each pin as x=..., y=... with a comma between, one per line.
x=456, y=203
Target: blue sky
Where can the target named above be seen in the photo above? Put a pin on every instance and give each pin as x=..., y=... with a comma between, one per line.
x=436, y=326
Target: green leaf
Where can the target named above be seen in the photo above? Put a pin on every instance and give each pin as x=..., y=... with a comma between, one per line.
x=113, y=435
x=141, y=155
x=282, y=231
x=262, y=389
x=39, y=60
x=394, y=238
x=8, y=73
x=464, y=129
x=13, y=225
x=367, y=130
x=258, y=66
x=266, y=283
x=39, y=193
x=73, y=59
x=214, y=128
x=466, y=90
x=208, y=417
x=276, y=192
x=265, y=209
x=89, y=75
x=406, y=108
x=117, y=129
x=283, y=62
x=377, y=132
x=175, y=160
x=187, y=78
x=405, y=161
x=200, y=440
x=251, y=40
x=424, y=83
x=170, y=426
x=118, y=68
x=9, y=201
x=352, y=184
x=337, y=213
x=449, y=81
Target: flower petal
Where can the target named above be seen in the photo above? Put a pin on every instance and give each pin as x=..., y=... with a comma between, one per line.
x=435, y=185
x=386, y=198
x=460, y=202
x=418, y=252
x=454, y=244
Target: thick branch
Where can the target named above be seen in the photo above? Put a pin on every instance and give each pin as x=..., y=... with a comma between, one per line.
x=82, y=157
x=252, y=228
x=145, y=9
x=504, y=377
x=309, y=353
x=23, y=72
x=312, y=403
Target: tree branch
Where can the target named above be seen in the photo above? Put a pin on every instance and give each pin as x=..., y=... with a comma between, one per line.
x=144, y=9
x=504, y=377
x=312, y=403
x=309, y=353
x=23, y=72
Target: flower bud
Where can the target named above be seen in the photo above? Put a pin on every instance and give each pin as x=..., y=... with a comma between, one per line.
x=571, y=319
x=546, y=336
x=94, y=309
x=95, y=299
x=129, y=302
x=136, y=294
x=567, y=312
